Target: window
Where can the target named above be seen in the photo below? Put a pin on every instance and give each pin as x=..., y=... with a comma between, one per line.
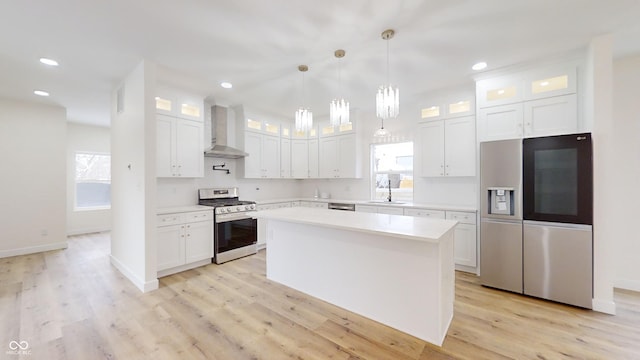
x=392, y=164
x=93, y=181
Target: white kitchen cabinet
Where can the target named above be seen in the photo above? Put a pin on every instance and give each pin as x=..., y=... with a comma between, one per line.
x=264, y=155
x=340, y=157
x=299, y=158
x=500, y=122
x=550, y=116
x=380, y=209
x=538, y=102
x=542, y=117
x=465, y=243
x=460, y=104
x=184, y=241
x=433, y=214
x=180, y=104
x=314, y=158
x=285, y=158
x=448, y=147
x=501, y=90
x=262, y=228
x=179, y=147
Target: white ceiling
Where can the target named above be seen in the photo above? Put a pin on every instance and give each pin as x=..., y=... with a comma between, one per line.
x=257, y=45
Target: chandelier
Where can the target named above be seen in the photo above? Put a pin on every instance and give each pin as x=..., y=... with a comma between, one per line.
x=388, y=97
x=304, y=116
x=339, y=108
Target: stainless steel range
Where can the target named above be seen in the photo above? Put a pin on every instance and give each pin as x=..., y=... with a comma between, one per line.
x=235, y=232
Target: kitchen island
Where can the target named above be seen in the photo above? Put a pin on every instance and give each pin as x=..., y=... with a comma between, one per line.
x=397, y=270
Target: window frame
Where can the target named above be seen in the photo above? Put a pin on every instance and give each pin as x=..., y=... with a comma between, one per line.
x=76, y=208
x=373, y=172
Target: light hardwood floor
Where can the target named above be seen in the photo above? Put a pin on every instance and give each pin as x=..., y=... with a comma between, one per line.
x=72, y=304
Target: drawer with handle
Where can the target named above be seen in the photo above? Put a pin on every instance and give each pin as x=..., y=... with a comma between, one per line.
x=433, y=214
x=170, y=219
x=462, y=217
x=198, y=216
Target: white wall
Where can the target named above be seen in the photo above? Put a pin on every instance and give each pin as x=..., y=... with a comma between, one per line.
x=626, y=172
x=598, y=110
x=85, y=138
x=133, y=181
x=32, y=185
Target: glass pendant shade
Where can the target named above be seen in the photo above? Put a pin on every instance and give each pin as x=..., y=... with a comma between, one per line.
x=304, y=120
x=339, y=112
x=388, y=102
x=304, y=116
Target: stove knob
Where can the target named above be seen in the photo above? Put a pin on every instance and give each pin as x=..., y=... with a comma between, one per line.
x=223, y=210
x=239, y=208
x=248, y=207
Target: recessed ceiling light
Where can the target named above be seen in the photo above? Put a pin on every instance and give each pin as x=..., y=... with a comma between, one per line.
x=49, y=62
x=479, y=66
x=226, y=85
x=41, y=93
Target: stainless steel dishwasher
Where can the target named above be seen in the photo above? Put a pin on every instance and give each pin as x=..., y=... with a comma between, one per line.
x=342, y=206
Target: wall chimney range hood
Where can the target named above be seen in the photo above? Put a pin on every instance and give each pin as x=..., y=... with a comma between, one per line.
x=222, y=122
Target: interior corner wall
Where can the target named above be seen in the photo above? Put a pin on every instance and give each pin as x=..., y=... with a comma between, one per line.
x=91, y=139
x=32, y=188
x=133, y=181
x=626, y=175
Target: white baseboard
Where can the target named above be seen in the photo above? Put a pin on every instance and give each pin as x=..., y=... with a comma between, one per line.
x=604, y=306
x=33, y=249
x=87, y=231
x=137, y=282
x=633, y=285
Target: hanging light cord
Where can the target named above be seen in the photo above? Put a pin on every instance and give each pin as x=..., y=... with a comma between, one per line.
x=388, y=63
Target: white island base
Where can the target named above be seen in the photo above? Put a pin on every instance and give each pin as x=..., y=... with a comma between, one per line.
x=396, y=270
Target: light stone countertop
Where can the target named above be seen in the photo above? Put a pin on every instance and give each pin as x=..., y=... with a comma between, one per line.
x=376, y=203
x=407, y=227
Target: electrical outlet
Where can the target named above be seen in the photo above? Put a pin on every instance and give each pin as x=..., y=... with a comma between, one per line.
x=44, y=232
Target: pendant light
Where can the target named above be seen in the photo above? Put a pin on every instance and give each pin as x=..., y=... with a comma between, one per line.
x=304, y=116
x=339, y=108
x=388, y=97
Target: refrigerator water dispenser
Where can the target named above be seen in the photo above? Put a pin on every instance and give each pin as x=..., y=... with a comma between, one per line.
x=501, y=201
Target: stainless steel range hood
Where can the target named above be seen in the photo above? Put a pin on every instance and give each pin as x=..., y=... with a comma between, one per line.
x=222, y=128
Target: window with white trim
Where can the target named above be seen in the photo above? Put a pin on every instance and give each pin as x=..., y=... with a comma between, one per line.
x=392, y=167
x=92, y=181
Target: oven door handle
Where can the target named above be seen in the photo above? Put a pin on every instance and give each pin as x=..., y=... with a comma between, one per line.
x=220, y=218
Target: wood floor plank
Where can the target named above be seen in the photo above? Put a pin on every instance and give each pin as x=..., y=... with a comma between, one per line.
x=73, y=304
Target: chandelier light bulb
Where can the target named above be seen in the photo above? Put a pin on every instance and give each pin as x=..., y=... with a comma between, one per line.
x=339, y=108
x=304, y=116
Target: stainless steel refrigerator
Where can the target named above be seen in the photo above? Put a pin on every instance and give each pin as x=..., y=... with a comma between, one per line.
x=536, y=217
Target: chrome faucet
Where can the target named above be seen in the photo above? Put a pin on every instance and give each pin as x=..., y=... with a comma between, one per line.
x=389, y=197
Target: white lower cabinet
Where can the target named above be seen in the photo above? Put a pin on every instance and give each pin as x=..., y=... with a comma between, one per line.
x=262, y=229
x=465, y=244
x=184, y=241
x=380, y=209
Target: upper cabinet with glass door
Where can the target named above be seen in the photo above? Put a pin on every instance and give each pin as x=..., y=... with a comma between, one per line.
x=548, y=82
x=452, y=106
x=500, y=91
x=535, y=84
x=326, y=129
x=179, y=104
x=262, y=126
